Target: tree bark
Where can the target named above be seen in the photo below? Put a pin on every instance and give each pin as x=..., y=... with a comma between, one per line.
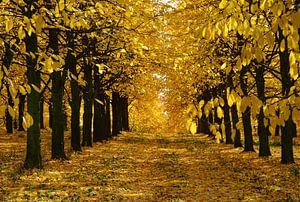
x=75, y=94
x=125, y=122
x=21, y=111
x=116, y=114
x=42, y=113
x=99, y=116
x=246, y=115
x=58, y=121
x=7, y=60
x=88, y=106
x=263, y=131
x=288, y=130
x=33, y=152
x=108, y=132
x=8, y=117
x=227, y=122
x=235, y=120
x=58, y=82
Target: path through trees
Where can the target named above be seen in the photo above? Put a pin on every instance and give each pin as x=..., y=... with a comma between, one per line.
x=148, y=167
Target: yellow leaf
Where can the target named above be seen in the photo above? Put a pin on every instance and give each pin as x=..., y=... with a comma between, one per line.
x=292, y=58
x=37, y=89
x=218, y=137
x=223, y=4
x=193, y=128
x=27, y=121
x=221, y=102
x=21, y=33
x=220, y=113
x=223, y=66
x=282, y=46
x=61, y=5
x=262, y=4
x=22, y=90
x=9, y=25
x=11, y=112
x=295, y=115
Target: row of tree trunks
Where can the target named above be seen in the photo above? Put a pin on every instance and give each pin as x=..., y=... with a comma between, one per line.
x=120, y=113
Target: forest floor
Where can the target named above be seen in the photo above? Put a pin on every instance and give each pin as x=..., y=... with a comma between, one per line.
x=148, y=167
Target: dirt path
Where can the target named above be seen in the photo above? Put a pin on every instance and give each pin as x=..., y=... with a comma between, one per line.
x=150, y=167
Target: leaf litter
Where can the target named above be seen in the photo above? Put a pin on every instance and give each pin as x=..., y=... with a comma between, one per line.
x=148, y=167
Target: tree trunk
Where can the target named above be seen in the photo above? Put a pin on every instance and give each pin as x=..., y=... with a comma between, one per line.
x=227, y=122
x=50, y=114
x=58, y=121
x=288, y=130
x=88, y=106
x=107, y=118
x=263, y=131
x=33, y=153
x=21, y=111
x=210, y=122
x=8, y=117
x=65, y=117
x=75, y=94
x=7, y=60
x=235, y=120
x=125, y=123
x=99, y=116
x=246, y=115
x=58, y=82
x=42, y=113
x=116, y=114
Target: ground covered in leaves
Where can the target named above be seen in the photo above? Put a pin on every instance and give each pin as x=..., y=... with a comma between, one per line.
x=148, y=167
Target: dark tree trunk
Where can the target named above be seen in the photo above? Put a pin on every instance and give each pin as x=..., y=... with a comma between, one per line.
x=58, y=82
x=235, y=120
x=8, y=117
x=99, y=124
x=50, y=114
x=65, y=118
x=203, y=124
x=33, y=153
x=75, y=94
x=263, y=131
x=116, y=114
x=88, y=106
x=246, y=115
x=287, y=153
x=21, y=111
x=218, y=121
x=42, y=113
x=125, y=123
x=58, y=121
x=7, y=60
x=288, y=130
x=107, y=118
x=227, y=122
x=277, y=129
